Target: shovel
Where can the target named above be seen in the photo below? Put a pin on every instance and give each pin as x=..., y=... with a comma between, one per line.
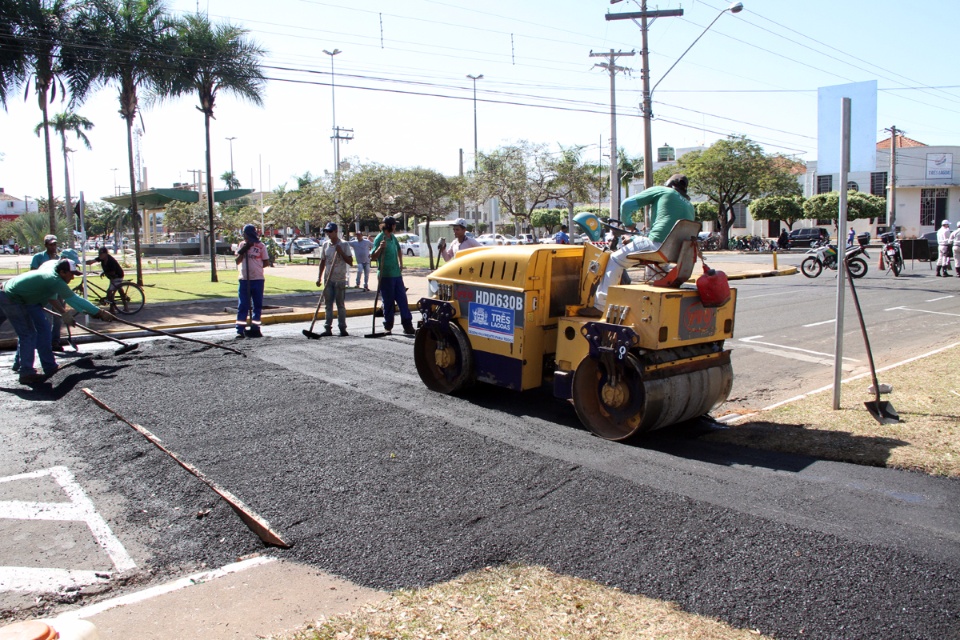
x=125, y=347
x=309, y=332
x=376, y=297
x=882, y=411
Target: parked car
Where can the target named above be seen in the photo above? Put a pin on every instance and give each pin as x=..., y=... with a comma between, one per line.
x=409, y=244
x=6, y=248
x=491, y=239
x=302, y=245
x=527, y=238
x=806, y=237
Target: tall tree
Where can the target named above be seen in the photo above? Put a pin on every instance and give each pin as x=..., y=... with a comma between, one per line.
x=64, y=123
x=133, y=44
x=518, y=176
x=787, y=209
x=570, y=180
x=230, y=180
x=42, y=31
x=630, y=169
x=729, y=172
x=211, y=58
x=13, y=55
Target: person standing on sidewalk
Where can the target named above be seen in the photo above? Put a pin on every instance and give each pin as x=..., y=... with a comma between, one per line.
x=386, y=251
x=955, y=239
x=251, y=258
x=361, y=251
x=946, y=248
x=461, y=241
x=333, y=272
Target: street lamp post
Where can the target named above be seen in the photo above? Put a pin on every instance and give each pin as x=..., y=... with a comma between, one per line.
x=230, y=140
x=643, y=14
x=336, y=133
x=475, y=78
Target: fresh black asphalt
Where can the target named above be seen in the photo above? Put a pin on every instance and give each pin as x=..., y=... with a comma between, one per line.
x=373, y=478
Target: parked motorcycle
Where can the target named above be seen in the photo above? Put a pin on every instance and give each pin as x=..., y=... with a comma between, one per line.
x=890, y=256
x=825, y=257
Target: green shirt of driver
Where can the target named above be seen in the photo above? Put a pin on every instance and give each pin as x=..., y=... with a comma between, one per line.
x=668, y=207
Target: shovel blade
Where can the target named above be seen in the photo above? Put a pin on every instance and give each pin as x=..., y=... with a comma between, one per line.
x=376, y=335
x=127, y=348
x=311, y=335
x=882, y=411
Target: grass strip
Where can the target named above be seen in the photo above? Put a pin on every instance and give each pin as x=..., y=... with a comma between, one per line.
x=927, y=439
x=518, y=602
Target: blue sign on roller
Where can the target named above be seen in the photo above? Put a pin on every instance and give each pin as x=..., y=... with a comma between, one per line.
x=491, y=322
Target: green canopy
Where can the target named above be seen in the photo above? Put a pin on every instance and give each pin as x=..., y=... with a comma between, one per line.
x=158, y=198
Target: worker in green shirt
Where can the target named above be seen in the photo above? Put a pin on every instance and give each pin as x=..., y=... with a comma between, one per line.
x=21, y=302
x=389, y=257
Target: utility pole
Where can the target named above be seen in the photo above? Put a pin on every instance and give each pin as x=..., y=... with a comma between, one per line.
x=230, y=140
x=893, y=179
x=612, y=68
x=347, y=134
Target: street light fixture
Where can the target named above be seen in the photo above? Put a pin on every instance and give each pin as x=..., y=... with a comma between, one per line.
x=230, y=140
x=643, y=14
x=475, y=78
x=336, y=133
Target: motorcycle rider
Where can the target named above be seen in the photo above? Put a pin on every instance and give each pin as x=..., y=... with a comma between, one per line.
x=943, y=241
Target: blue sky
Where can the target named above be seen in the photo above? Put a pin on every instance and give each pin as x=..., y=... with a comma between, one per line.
x=401, y=85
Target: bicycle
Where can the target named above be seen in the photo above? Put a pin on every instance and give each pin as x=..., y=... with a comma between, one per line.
x=131, y=296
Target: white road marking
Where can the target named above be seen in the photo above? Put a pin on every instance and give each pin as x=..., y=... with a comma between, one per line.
x=762, y=295
x=817, y=324
x=159, y=590
x=743, y=416
x=802, y=357
x=80, y=508
x=936, y=313
x=940, y=298
x=753, y=340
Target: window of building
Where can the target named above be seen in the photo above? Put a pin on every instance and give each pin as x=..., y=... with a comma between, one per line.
x=878, y=184
x=740, y=215
x=824, y=184
x=853, y=186
x=933, y=206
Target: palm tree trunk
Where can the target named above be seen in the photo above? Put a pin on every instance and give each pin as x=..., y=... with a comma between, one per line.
x=66, y=181
x=213, y=231
x=134, y=214
x=51, y=205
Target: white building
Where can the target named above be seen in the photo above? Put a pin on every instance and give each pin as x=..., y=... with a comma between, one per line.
x=11, y=208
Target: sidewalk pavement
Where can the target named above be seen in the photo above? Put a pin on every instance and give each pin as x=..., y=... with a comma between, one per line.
x=219, y=313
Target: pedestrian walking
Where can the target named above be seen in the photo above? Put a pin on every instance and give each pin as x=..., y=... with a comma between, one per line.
x=361, y=252
x=386, y=251
x=333, y=277
x=946, y=249
x=251, y=259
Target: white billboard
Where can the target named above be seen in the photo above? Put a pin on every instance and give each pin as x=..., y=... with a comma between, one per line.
x=863, y=126
x=940, y=166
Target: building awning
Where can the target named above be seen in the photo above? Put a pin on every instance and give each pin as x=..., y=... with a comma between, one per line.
x=159, y=198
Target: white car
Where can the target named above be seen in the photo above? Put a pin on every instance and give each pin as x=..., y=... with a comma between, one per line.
x=409, y=244
x=491, y=239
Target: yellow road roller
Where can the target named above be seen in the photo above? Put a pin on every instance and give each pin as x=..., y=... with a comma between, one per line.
x=523, y=316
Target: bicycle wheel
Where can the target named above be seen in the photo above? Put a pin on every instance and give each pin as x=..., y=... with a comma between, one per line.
x=811, y=267
x=131, y=299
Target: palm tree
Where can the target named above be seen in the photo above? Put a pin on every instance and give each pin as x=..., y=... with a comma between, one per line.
x=42, y=30
x=230, y=179
x=64, y=123
x=211, y=58
x=133, y=42
x=629, y=170
x=12, y=54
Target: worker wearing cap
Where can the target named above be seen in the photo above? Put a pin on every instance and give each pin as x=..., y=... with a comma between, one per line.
x=386, y=251
x=946, y=249
x=333, y=272
x=955, y=241
x=460, y=241
x=670, y=204
x=50, y=253
x=252, y=257
x=21, y=302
